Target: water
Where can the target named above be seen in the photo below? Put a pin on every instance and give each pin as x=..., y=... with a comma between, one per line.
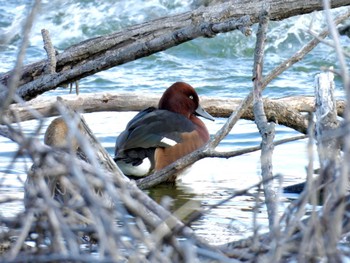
x=217, y=67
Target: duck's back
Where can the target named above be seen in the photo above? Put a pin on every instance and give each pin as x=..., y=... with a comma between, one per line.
x=148, y=130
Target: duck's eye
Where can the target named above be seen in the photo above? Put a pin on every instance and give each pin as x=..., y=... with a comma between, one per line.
x=191, y=97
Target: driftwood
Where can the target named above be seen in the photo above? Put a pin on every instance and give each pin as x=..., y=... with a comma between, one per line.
x=285, y=111
x=101, y=53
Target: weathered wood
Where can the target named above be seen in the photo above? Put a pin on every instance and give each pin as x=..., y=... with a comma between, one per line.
x=101, y=53
x=285, y=111
x=135, y=101
x=50, y=51
x=328, y=147
x=342, y=180
x=327, y=122
x=266, y=130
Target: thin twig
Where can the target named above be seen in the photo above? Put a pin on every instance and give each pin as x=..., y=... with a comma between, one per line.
x=335, y=213
x=328, y=43
x=27, y=222
x=50, y=51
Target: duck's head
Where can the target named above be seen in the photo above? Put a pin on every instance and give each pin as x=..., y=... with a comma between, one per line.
x=56, y=135
x=183, y=99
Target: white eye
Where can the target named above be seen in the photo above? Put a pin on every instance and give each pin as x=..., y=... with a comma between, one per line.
x=191, y=97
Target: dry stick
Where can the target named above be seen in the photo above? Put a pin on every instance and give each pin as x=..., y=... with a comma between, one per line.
x=164, y=174
x=239, y=152
x=61, y=231
x=310, y=235
x=328, y=43
x=329, y=156
x=296, y=229
x=267, y=130
x=8, y=199
x=44, y=192
x=17, y=135
x=53, y=257
x=63, y=238
x=235, y=116
x=307, y=236
x=257, y=204
x=163, y=215
x=137, y=208
x=55, y=223
x=29, y=219
x=17, y=71
x=334, y=232
x=313, y=244
x=50, y=67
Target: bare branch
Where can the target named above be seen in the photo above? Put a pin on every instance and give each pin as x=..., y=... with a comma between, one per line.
x=267, y=130
x=50, y=51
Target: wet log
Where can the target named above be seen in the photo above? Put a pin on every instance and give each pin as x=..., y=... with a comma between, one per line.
x=101, y=53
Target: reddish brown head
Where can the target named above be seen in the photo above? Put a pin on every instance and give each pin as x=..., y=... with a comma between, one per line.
x=183, y=99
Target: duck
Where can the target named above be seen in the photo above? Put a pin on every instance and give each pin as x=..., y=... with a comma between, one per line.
x=157, y=137
x=57, y=137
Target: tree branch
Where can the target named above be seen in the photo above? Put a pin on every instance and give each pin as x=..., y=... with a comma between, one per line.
x=101, y=53
x=267, y=130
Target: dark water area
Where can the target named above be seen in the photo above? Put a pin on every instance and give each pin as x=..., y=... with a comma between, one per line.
x=216, y=67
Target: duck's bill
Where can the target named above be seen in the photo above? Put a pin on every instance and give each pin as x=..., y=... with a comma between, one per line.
x=201, y=112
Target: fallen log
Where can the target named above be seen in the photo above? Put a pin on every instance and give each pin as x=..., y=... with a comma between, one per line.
x=285, y=111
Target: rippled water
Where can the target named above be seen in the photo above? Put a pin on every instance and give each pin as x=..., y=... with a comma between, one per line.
x=220, y=66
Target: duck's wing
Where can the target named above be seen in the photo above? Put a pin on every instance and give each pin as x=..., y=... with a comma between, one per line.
x=153, y=128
